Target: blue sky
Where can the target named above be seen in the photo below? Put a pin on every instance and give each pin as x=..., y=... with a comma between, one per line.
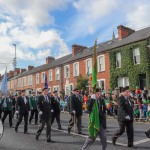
x=42, y=28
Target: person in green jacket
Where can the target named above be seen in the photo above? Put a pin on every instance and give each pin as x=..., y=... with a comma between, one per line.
x=7, y=107
x=33, y=100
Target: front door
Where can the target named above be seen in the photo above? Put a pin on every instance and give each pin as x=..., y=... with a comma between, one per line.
x=142, y=78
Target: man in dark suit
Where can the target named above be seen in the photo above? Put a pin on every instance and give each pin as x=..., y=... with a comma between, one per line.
x=7, y=108
x=33, y=100
x=125, y=118
x=44, y=108
x=76, y=111
x=97, y=97
x=56, y=108
x=23, y=108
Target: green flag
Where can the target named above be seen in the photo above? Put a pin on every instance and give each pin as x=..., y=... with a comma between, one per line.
x=94, y=68
x=94, y=122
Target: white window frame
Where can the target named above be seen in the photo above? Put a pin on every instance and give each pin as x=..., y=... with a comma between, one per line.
x=65, y=73
x=19, y=82
x=99, y=80
x=57, y=77
x=37, y=78
x=43, y=78
x=50, y=75
x=29, y=80
x=123, y=79
x=23, y=81
x=118, y=61
x=90, y=69
x=135, y=55
x=75, y=75
x=56, y=87
x=99, y=63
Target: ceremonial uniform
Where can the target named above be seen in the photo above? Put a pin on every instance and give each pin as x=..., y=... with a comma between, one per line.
x=56, y=108
x=44, y=108
x=125, y=120
x=23, y=107
x=7, y=109
x=102, y=119
x=33, y=100
x=76, y=110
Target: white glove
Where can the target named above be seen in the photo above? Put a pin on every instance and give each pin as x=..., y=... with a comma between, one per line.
x=74, y=111
x=93, y=96
x=40, y=113
x=17, y=112
x=52, y=110
x=127, y=117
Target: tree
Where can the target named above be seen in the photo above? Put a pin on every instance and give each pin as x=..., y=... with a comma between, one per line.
x=82, y=82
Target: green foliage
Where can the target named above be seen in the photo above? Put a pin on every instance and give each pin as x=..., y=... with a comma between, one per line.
x=82, y=82
x=127, y=65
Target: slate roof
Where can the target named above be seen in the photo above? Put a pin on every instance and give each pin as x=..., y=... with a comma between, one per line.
x=87, y=52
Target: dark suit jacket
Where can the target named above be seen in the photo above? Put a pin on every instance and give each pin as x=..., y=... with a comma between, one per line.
x=55, y=104
x=76, y=104
x=124, y=109
x=21, y=106
x=102, y=109
x=44, y=106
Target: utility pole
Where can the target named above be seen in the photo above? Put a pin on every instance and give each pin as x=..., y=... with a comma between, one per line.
x=14, y=64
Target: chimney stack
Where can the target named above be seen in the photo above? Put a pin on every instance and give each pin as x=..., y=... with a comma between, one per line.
x=23, y=70
x=124, y=31
x=77, y=48
x=49, y=59
x=30, y=67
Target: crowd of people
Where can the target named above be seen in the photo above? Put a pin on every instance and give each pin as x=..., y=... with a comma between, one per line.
x=45, y=107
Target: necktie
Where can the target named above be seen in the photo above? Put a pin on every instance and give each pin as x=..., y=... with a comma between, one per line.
x=46, y=98
x=25, y=101
x=129, y=101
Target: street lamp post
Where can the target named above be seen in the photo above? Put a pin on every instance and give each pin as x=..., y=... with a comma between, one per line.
x=14, y=64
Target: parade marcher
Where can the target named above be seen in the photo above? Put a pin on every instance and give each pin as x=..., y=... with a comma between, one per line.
x=44, y=108
x=7, y=108
x=76, y=111
x=56, y=108
x=23, y=108
x=125, y=118
x=97, y=121
x=33, y=100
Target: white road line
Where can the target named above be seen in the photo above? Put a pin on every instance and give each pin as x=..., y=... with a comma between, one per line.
x=85, y=136
x=141, y=141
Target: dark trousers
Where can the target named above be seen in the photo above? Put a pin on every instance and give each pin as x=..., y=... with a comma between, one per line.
x=57, y=116
x=1, y=113
x=48, y=127
x=25, y=121
x=13, y=111
x=34, y=111
x=79, y=122
x=10, y=117
x=129, y=129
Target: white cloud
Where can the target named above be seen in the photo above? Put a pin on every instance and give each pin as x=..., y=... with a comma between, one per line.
x=22, y=22
x=138, y=15
x=90, y=14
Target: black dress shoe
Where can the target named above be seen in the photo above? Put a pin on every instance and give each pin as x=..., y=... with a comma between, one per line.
x=60, y=128
x=11, y=126
x=114, y=141
x=26, y=132
x=50, y=141
x=37, y=137
x=147, y=135
x=80, y=133
x=16, y=129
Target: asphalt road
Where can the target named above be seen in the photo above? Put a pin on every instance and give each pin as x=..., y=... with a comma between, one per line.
x=63, y=141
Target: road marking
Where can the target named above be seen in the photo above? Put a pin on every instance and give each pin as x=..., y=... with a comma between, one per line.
x=85, y=136
x=141, y=141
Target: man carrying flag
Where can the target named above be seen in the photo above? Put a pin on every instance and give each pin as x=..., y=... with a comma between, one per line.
x=97, y=108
